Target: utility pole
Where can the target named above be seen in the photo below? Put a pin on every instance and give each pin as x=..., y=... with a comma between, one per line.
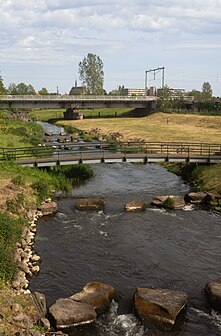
x=155, y=72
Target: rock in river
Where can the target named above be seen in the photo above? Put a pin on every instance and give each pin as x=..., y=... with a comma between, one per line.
x=213, y=291
x=136, y=205
x=97, y=294
x=161, y=305
x=67, y=313
x=172, y=202
x=89, y=203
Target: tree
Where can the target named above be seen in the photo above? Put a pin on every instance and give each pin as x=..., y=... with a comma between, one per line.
x=118, y=92
x=43, y=92
x=206, y=91
x=165, y=94
x=3, y=90
x=91, y=74
x=21, y=89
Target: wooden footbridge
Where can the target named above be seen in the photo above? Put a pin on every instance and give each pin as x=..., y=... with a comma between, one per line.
x=97, y=152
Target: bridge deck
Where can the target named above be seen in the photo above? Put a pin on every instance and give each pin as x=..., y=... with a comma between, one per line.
x=119, y=152
x=65, y=101
x=118, y=157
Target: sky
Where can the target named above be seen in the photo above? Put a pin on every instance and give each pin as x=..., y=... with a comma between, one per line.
x=43, y=41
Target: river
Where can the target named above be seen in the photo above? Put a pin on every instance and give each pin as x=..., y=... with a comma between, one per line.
x=157, y=248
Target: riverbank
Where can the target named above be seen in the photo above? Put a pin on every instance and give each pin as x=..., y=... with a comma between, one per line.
x=166, y=127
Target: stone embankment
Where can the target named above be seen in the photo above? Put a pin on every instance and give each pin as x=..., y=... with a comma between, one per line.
x=23, y=317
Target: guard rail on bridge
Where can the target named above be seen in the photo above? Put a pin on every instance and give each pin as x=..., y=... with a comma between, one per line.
x=66, y=101
x=75, y=98
x=115, y=152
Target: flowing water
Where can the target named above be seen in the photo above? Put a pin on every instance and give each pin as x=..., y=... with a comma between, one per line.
x=157, y=248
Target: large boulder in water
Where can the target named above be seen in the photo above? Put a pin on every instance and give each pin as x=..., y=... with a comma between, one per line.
x=89, y=204
x=213, y=292
x=66, y=313
x=161, y=305
x=48, y=208
x=135, y=206
x=198, y=197
x=97, y=294
x=171, y=202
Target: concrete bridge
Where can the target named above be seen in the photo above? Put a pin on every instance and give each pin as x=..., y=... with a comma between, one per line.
x=109, y=153
x=67, y=101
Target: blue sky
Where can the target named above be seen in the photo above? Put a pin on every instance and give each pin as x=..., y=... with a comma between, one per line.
x=43, y=41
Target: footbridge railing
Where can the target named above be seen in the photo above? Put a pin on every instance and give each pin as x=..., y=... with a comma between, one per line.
x=71, y=153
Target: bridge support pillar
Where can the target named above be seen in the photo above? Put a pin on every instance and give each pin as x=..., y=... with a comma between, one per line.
x=142, y=112
x=73, y=113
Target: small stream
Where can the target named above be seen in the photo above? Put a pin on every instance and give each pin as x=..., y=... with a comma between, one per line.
x=157, y=248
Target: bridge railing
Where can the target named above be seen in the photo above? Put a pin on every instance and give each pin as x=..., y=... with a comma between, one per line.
x=69, y=150
x=74, y=98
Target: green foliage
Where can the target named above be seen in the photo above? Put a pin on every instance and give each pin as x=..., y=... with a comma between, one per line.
x=75, y=172
x=3, y=90
x=10, y=229
x=8, y=266
x=21, y=89
x=120, y=91
x=168, y=203
x=14, y=133
x=91, y=74
x=18, y=180
x=206, y=91
x=165, y=95
x=43, y=91
x=42, y=189
x=15, y=204
x=10, y=233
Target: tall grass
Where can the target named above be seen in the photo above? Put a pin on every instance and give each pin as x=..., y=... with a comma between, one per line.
x=19, y=133
x=10, y=233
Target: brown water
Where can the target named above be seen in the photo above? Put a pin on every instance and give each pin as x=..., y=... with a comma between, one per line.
x=170, y=249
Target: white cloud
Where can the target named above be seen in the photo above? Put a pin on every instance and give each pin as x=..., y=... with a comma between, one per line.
x=58, y=31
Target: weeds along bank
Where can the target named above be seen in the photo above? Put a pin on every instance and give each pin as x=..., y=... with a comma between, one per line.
x=22, y=191
x=203, y=177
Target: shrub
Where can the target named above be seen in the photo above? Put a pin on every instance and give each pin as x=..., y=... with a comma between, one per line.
x=169, y=203
x=8, y=266
x=10, y=230
x=76, y=172
x=42, y=188
x=18, y=180
x=15, y=204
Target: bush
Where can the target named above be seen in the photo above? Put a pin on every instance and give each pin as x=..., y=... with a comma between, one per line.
x=42, y=188
x=8, y=266
x=10, y=230
x=15, y=204
x=10, y=233
x=79, y=172
x=18, y=180
x=168, y=203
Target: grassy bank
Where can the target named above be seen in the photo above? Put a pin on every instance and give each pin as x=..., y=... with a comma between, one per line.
x=157, y=127
x=45, y=115
x=19, y=134
x=21, y=188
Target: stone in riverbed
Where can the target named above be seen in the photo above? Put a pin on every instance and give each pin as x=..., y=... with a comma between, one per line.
x=135, y=206
x=89, y=204
x=213, y=292
x=48, y=208
x=172, y=202
x=97, y=294
x=161, y=305
x=67, y=313
x=198, y=197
